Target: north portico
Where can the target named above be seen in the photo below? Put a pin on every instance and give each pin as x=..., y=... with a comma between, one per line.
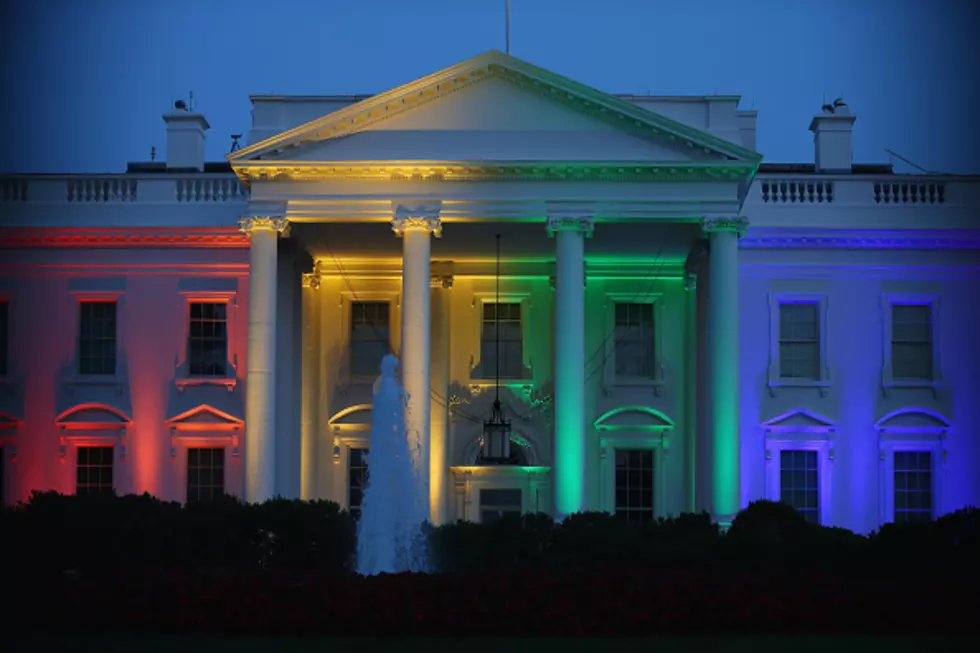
x=411, y=185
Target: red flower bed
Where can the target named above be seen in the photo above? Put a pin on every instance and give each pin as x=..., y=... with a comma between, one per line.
x=591, y=603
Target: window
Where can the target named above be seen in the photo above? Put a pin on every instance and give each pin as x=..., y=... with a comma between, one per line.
x=634, y=341
x=97, y=338
x=4, y=338
x=357, y=479
x=912, y=346
x=506, y=317
x=370, y=337
x=207, y=339
x=913, y=485
x=634, y=484
x=205, y=473
x=494, y=504
x=799, y=341
x=94, y=470
x=799, y=486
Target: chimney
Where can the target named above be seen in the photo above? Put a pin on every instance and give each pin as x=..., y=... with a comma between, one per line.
x=832, y=137
x=185, y=138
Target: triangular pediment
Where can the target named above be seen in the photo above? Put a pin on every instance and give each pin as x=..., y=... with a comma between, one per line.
x=493, y=107
x=359, y=415
x=913, y=419
x=800, y=419
x=92, y=414
x=8, y=421
x=633, y=417
x=204, y=415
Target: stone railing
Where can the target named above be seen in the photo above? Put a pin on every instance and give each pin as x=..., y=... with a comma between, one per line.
x=202, y=188
x=854, y=190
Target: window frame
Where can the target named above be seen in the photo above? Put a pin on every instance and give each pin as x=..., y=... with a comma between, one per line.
x=358, y=446
x=611, y=379
x=655, y=438
x=888, y=302
x=77, y=445
x=230, y=377
x=479, y=376
x=89, y=297
x=909, y=438
x=205, y=443
x=776, y=379
x=345, y=315
x=468, y=480
x=779, y=441
x=498, y=507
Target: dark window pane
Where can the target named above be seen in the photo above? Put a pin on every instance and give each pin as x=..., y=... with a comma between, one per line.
x=205, y=473
x=634, y=345
x=357, y=479
x=97, y=338
x=798, y=482
x=93, y=470
x=634, y=484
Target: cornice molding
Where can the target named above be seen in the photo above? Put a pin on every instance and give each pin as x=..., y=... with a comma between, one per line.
x=881, y=241
x=468, y=171
x=71, y=238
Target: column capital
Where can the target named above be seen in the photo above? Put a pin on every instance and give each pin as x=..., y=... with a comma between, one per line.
x=311, y=280
x=421, y=216
x=580, y=224
x=250, y=223
x=738, y=224
x=444, y=281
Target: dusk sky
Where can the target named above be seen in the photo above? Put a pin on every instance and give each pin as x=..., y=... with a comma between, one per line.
x=86, y=81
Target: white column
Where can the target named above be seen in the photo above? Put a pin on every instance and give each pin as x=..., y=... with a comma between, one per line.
x=260, y=380
x=691, y=389
x=723, y=365
x=416, y=226
x=570, y=431
x=309, y=432
x=439, y=434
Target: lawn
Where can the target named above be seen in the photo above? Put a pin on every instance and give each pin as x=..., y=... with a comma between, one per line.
x=733, y=644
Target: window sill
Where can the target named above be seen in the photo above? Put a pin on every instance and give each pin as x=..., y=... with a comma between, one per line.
x=887, y=385
x=822, y=385
x=229, y=382
x=657, y=385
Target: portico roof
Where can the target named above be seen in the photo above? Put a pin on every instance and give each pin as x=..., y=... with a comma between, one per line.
x=519, y=122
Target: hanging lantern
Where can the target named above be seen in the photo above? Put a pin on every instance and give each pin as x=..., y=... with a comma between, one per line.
x=496, y=436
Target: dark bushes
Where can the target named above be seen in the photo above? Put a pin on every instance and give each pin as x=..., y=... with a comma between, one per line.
x=55, y=534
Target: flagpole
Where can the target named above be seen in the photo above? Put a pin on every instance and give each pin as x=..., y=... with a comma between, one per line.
x=507, y=23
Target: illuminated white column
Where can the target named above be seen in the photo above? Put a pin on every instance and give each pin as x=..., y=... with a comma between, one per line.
x=439, y=434
x=570, y=431
x=309, y=434
x=416, y=225
x=723, y=377
x=260, y=380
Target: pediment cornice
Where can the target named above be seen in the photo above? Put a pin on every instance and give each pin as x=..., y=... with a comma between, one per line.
x=621, y=114
x=468, y=171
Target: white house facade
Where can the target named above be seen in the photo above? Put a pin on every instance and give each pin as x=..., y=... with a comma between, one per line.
x=682, y=327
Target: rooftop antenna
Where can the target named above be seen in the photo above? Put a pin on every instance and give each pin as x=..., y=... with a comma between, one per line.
x=234, y=142
x=190, y=101
x=153, y=153
x=507, y=24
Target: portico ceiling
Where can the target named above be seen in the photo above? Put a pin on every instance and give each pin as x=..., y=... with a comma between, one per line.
x=641, y=243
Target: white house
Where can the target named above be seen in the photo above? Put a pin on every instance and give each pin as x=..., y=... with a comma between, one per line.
x=682, y=327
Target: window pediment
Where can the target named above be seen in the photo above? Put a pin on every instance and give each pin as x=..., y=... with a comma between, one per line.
x=358, y=416
x=92, y=416
x=912, y=420
x=799, y=421
x=204, y=416
x=640, y=418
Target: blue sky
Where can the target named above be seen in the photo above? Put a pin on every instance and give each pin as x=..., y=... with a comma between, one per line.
x=86, y=81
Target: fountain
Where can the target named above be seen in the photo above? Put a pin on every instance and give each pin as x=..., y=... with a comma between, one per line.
x=395, y=504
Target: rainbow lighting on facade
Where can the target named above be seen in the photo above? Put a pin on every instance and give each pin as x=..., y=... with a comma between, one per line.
x=680, y=325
